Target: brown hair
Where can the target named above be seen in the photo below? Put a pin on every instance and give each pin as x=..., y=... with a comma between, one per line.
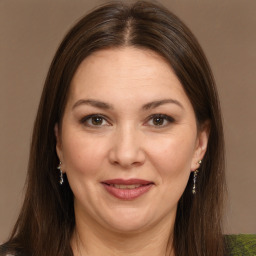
x=46, y=221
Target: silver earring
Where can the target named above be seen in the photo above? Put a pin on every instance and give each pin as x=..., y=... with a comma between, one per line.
x=194, y=182
x=194, y=179
x=61, y=174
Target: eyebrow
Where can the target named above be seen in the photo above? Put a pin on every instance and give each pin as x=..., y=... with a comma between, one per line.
x=94, y=103
x=103, y=105
x=155, y=104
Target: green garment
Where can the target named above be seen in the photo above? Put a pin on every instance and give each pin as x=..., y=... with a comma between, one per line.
x=241, y=245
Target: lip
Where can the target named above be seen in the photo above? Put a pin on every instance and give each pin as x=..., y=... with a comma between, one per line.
x=127, y=194
x=127, y=182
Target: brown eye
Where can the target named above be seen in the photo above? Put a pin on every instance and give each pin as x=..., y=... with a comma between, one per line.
x=94, y=121
x=97, y=120
x=158, y=120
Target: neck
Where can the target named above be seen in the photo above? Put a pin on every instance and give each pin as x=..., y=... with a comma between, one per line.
x=91, y=240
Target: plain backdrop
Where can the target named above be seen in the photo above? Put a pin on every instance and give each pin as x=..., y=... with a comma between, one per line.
x=30, y=32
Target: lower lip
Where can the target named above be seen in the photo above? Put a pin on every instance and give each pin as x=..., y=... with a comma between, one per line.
x=127, y=194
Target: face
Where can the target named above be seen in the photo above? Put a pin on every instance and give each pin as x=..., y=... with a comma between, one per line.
x=128, y=140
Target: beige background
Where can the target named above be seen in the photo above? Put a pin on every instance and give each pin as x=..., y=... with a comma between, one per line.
x=30, y=32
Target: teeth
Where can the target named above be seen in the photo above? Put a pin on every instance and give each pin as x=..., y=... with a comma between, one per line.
x=126, y=186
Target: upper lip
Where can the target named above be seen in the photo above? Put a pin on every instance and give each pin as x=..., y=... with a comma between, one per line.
x=127, y=182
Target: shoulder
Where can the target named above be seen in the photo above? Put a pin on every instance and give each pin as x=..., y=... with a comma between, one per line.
x=241, y=245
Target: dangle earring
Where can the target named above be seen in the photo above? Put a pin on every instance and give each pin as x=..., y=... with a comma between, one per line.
x=61, y=174
x=194, y=179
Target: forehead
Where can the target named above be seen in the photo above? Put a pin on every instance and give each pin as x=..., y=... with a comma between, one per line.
x=128, y=72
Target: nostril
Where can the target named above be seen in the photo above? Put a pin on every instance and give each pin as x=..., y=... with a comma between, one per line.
x=126, y=155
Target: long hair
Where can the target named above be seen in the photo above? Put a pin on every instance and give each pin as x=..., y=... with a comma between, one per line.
x=46, y=221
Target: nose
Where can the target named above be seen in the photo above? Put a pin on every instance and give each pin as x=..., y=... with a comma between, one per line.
x=127, y=148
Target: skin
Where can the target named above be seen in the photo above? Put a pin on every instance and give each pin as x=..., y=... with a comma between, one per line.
x=127, y=143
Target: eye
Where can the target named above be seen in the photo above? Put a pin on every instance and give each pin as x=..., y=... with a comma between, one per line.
x=95, y=120
x=160, y=120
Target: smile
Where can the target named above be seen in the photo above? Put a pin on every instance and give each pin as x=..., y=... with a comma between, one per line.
x=127, y=189
x=126, y=186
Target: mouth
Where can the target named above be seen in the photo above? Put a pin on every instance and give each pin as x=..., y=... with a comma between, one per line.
x=121, y=186
x=127, y=189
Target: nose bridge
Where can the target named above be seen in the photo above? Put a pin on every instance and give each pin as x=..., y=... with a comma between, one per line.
x=127, y=148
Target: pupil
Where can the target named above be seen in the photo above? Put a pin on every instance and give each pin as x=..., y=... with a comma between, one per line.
x=158, y=121
x=97, y=120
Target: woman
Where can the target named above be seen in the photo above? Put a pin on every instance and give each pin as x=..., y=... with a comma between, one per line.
x=127, y=156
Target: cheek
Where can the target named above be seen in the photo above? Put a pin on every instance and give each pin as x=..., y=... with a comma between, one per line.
x=172, y=156
x=83, y=154
x=172, y=160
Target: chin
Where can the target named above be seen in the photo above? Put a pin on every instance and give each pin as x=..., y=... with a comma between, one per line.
x=128, y=221
x=124, y=227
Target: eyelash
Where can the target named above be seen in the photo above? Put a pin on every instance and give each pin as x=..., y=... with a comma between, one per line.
x=85, y=120
x=164, y=117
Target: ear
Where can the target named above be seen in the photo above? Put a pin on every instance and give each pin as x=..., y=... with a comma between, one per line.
x=201, y=145
x=58, y=142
